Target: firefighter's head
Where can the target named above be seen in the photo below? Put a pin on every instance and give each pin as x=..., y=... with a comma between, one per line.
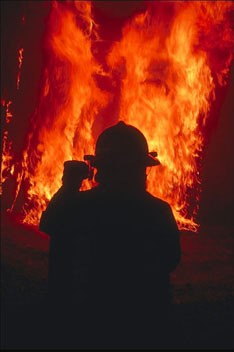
x=122, y=153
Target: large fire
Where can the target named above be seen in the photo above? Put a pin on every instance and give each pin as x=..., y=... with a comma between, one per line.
x=160, y=76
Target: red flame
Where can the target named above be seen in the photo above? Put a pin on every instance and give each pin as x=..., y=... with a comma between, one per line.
x=160, y=77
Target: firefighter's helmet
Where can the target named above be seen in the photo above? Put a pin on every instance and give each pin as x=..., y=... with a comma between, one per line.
x=122, y=144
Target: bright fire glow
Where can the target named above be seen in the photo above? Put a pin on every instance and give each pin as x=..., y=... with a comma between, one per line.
x=7, y=155
x=163, y=73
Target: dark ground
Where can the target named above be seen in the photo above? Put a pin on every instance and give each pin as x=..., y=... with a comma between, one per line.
x=203, y=287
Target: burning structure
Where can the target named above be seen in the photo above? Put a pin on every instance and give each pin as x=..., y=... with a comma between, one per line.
x=156, y=65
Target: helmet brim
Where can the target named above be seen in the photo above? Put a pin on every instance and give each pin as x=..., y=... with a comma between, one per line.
x=150, y=160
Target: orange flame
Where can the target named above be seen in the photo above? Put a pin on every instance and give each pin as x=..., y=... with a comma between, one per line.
x=166, y=88
x=69, y=103
x=165, y=76
x=7, y=155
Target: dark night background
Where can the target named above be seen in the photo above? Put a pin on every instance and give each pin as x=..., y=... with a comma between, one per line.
x=203, y=283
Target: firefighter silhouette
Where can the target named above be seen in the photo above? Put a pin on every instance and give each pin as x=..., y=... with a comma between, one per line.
x=74, y=172
x=115, y=248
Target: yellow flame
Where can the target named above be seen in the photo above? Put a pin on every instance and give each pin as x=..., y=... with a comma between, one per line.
x=69, y=77
x=166, y=89
x=166, y=81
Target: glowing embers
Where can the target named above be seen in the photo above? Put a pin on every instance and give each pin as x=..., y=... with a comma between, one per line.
x=20, y=60
x=160, y=77
x=7, y=166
